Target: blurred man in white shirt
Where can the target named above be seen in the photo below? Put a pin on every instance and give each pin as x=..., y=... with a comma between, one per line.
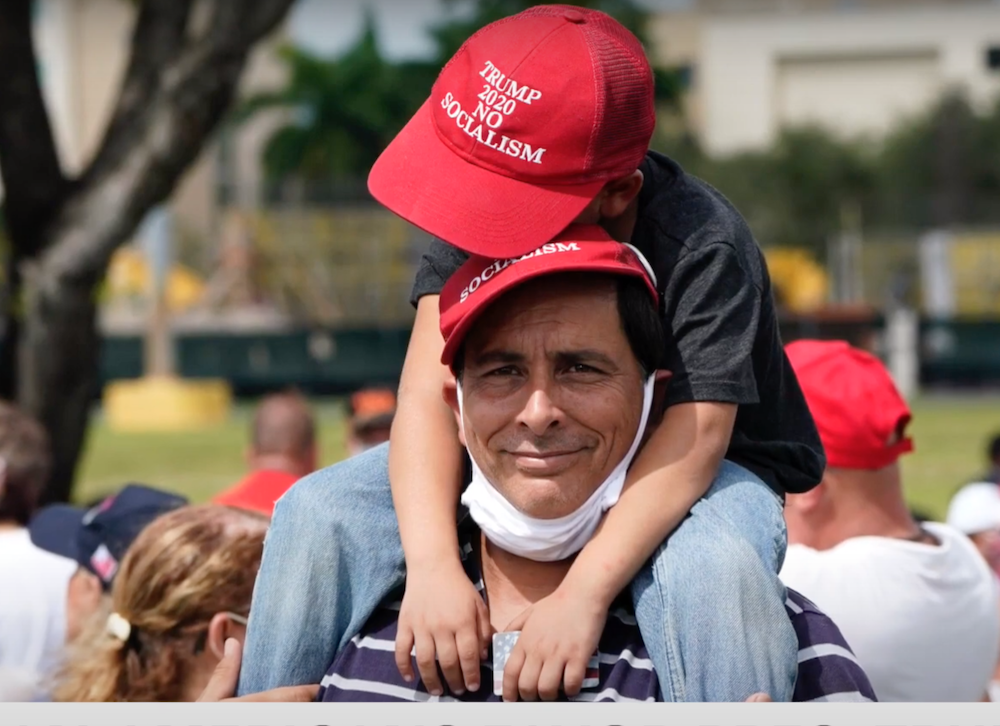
x=916, y=602
x=33, y=582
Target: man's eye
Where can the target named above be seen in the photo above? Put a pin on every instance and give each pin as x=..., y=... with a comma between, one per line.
x=504, y=371
x=582, y=368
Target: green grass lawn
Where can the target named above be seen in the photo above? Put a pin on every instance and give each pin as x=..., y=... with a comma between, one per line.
x=197, y=464
x=950, y=435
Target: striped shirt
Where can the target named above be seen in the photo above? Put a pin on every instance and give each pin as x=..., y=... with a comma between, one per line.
x=365, y=670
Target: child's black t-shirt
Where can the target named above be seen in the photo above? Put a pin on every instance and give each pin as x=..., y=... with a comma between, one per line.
x=718, y=311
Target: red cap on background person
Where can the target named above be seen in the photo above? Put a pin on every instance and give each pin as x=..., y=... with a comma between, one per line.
x=523, y=127
x=860, y=414
x=481, y=280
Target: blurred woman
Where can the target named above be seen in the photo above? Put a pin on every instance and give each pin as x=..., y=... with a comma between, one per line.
x=183, y=588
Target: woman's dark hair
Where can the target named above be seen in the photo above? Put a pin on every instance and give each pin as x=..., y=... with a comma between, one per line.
x=640, y=320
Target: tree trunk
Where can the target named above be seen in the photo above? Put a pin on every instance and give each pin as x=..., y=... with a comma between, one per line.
x=182, y=74
x=58, y=361
x=10, y=315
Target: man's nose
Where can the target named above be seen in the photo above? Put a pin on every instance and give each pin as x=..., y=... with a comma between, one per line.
x=540, y=412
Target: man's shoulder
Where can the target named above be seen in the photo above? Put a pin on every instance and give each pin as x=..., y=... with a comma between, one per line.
x=828, y=668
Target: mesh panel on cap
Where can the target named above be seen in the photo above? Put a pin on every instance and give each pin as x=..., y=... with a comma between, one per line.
x=625, y=116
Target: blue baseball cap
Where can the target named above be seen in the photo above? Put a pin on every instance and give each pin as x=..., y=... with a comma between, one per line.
x=98, y=538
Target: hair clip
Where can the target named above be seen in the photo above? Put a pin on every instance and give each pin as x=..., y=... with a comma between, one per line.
x=119, y=627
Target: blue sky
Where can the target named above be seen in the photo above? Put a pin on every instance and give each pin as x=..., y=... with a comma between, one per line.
x=327, y=27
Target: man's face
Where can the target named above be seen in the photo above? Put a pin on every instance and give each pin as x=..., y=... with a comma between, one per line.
x=552, y=393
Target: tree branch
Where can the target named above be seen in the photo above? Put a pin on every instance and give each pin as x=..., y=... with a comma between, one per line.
x=33, y=181
x=158, y=36
x=189, y=96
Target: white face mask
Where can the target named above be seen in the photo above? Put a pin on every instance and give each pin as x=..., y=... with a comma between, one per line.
x=546, y=540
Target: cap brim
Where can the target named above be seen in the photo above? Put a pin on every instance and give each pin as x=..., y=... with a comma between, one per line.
x=55, y=529
x=517, y=275
x=482, y=212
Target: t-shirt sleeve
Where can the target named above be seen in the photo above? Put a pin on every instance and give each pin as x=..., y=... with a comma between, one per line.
x=436, y=266
x=711, y=308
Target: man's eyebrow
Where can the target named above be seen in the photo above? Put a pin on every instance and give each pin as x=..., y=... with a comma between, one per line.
x=587, y=355
x=493, y=357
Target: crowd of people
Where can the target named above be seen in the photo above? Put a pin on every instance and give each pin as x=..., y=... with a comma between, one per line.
x=603, y=476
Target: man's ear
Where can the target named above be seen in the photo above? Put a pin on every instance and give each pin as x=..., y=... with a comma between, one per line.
x=449, y=390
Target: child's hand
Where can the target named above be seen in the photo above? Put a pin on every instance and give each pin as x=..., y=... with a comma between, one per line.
x=559, y=635
x=446, y=618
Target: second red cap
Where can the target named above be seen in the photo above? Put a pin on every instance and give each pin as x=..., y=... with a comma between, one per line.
x=860, y=415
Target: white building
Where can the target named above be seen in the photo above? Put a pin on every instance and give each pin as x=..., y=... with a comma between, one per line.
x=855, y=68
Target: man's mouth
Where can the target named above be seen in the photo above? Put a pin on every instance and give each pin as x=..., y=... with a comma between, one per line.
x=543, y=461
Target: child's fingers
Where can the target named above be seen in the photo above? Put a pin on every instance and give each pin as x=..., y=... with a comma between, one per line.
x=550, y=679
x=511, y=673
x=404, y=650
x=575, y=672
x=427, y=663
x=467, y=642
x=527, y=682
x=448, y=661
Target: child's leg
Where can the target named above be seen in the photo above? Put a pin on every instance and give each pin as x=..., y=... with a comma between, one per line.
x=710, y=605
x=331, y=555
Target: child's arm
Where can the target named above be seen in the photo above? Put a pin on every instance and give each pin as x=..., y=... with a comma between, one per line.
x=442, y=614
x=671, y=473
x=674, y=469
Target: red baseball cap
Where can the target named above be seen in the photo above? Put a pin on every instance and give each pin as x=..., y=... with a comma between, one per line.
x=860, y=414
x=524, y=125
x=480, y=281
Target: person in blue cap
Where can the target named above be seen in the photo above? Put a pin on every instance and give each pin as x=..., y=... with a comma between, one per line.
x=96, y=539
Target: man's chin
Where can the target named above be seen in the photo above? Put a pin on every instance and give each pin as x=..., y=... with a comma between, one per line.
x=546, y=497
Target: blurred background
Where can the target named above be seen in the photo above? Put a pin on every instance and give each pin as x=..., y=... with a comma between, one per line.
x=173, y=252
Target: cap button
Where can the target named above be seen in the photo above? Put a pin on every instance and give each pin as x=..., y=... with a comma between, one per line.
x=573, y=16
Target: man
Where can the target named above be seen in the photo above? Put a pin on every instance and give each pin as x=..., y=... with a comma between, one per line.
x=95, y=540
x=32, y=609
x=917, y=603
x=555, y=362
x=282, y=450
x=370, y=414
x=540, y=120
